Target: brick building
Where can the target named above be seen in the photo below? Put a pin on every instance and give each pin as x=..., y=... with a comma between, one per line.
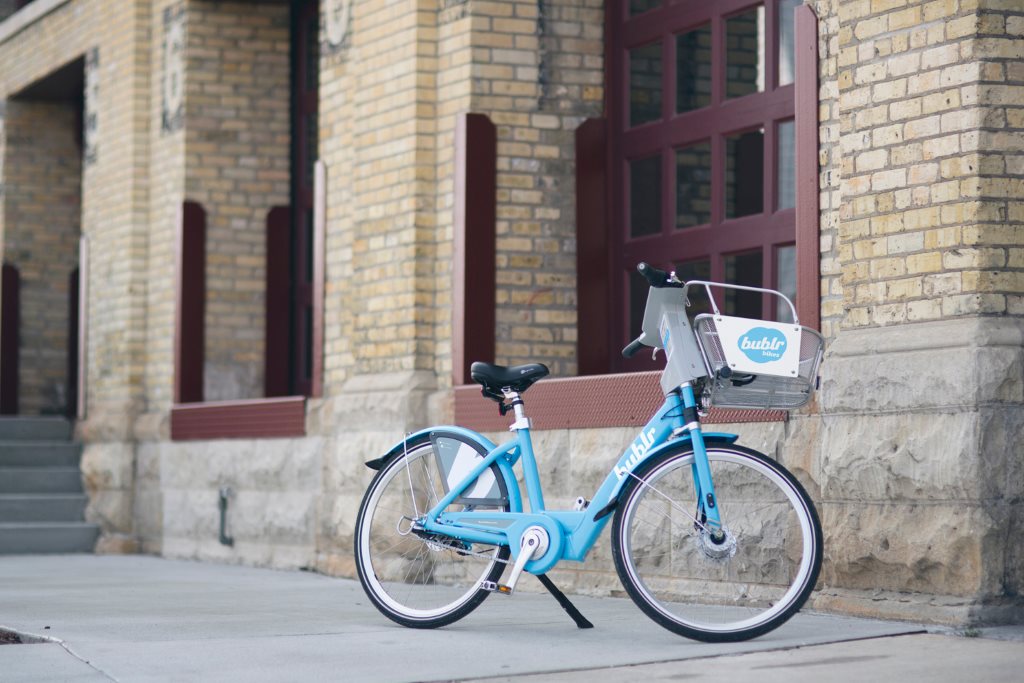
x=251, y=244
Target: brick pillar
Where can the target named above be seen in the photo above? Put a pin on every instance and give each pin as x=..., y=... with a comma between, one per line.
x=923, y=395
x=237, y=134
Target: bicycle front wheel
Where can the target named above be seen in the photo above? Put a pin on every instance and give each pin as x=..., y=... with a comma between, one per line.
x=721, y=590
x=415, y=579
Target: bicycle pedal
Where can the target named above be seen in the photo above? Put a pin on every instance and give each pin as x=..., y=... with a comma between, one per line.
x=494, y=587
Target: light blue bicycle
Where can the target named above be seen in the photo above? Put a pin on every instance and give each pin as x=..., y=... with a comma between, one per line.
x=712, y=540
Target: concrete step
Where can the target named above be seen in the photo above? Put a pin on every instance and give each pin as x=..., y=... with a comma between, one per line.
x=40, y=480
x=23, y=538
x=39, y=454
x=35, y=429
x=17, y=507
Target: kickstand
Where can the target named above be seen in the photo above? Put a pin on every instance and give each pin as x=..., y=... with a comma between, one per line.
x=581, y=621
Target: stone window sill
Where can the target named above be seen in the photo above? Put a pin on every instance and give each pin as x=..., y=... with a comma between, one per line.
x=252, y=419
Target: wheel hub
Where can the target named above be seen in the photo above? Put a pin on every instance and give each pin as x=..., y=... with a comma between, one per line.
x=721, y=548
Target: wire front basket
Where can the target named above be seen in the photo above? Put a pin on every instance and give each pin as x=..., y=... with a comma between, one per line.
x=751, y=391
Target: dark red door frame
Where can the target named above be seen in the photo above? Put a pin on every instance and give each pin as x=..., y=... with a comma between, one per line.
x=9, y=340
x=83, y=325
x=316, y=344
x=71, y=381
x=305, y=104
x=190, y=324
x=808, y=254
x=473, y=266
x=277, y=337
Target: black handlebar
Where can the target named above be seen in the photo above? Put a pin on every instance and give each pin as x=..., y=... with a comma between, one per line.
x=655, y=277
x=632, y=348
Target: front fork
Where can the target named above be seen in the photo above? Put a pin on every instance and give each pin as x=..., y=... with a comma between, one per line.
x=707, y=503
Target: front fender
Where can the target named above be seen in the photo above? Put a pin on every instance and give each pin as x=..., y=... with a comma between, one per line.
x=709, y=438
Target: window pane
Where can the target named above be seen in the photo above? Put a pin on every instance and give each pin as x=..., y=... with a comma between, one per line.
x=645, y=196
x=696, y=270
x=645, y=84
x=744, y=61
x=785, y=166
x=693, y=69
x=640, y=6
x=693, y=185
x=785, y=269
x=744, y=174
x=785, y=40
x=743, y=269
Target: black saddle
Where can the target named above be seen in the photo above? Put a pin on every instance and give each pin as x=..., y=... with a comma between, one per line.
x=518, y=378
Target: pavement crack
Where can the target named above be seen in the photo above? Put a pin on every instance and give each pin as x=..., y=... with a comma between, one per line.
x=85, y=661
x=28, y=637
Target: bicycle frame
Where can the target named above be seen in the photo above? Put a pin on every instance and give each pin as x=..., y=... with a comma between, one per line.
x=574, y=532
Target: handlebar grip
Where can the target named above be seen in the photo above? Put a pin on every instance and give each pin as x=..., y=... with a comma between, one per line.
x=632, y=348
x=654, y=276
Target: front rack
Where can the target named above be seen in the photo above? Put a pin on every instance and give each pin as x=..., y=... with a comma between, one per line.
x=749, y=391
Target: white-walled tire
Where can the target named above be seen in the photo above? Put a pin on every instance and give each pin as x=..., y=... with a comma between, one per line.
x=720, y=592
x=416, y=582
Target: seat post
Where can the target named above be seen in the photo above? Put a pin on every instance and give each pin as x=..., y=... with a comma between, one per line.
x=518, y=407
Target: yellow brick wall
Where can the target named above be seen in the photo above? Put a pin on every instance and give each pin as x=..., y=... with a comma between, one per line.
x=454, y=97
x=930, y=100
x=337, y=151
x=538, y=73
x=390, y=96
x=167, y=192
x=829, y=166
x=377, y=140
x=237, y=133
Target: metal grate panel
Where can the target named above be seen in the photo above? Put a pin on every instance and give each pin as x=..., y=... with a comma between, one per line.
x=622, y=400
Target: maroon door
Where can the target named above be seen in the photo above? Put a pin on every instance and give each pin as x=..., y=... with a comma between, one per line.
x=701, y=109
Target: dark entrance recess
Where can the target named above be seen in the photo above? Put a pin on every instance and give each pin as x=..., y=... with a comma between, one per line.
x=63, y=86
x=291, y=232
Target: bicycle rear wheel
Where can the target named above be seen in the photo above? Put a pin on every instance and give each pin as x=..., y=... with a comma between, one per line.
x=414, y=579
x=742, y=587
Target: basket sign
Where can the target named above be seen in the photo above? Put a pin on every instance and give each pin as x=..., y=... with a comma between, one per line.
x=759, y=347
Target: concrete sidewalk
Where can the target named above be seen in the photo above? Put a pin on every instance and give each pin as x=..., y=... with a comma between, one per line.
x=132, y=618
